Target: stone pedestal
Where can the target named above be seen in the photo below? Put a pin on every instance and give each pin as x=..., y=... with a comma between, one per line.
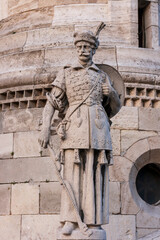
x=98, y=234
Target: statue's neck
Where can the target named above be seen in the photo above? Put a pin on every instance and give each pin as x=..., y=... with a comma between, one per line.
x=86, y=64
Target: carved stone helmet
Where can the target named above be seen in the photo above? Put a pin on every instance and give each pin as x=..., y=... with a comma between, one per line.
x=86, y=36
x=89, y=36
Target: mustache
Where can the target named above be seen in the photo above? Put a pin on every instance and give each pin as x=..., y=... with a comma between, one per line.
x=84, y=54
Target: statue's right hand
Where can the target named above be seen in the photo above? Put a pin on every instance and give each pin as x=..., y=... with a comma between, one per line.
x=44, y=139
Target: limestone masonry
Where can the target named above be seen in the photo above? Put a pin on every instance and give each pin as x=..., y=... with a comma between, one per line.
x=35, y=38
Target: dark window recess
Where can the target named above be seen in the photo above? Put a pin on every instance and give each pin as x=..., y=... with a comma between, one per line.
x=148, y=183
x=142, y=5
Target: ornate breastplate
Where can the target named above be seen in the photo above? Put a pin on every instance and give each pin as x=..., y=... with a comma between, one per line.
x=80, y=82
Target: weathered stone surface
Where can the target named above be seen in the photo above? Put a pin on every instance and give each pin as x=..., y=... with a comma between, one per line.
x=50, y=195
x=5, y=191
x=128, y=204
x=21, y=6
x=27, y=20
x=114, y=197
x=6, y=145
x=121, y=228
x=129, y=137
x=50, y=37
x=21, y=61
x=137, y=149
x=26, y=169
x=10, y=227
x=139, y=60
x=4, y=9
x=1, y=122
x=106, y=55
x=39, y=227
x=26, y=144
x=80, y=13
x=154, y=236
x=25, y=199
x=145, y=220
x=127, y=118
x=154, y=142
x=143, y=232
x=120, y=171
x=21, y=120
x=115, y=135
x=12, y=43
x=149, y=119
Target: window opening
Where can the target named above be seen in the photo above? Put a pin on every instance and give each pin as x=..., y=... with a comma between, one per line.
x=142, y=5
x=148, y=183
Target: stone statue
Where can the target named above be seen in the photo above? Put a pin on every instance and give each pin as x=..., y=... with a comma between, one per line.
x=85, y=95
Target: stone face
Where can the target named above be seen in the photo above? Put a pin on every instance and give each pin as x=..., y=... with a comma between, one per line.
x=25, y=199
x=143, y=232
x=128, y=204
x=10, y=229
x=50, y=195
x=115, y=135
x=120, y=171
x=21, y=6
x=127, y=118
x=26, y=169
x=121, y=228
x=6, y=145
x=114, y=197
x=26, y=144
x=21, y=120
x=128, y=137
x=145, y=220
x=5, y=191
x=149, y=119
x=39, y=227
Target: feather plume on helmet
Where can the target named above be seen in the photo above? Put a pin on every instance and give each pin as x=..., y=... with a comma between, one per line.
x=89, y=36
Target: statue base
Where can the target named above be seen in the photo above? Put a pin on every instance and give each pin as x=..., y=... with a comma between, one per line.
x=98, y=234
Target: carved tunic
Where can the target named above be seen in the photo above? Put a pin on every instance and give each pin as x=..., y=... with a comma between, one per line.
x=90, y=121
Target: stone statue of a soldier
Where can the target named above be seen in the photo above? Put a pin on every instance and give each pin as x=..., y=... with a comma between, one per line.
x=85, y=94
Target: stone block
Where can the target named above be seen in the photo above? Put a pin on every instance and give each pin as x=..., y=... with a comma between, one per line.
x=120, y=171
x=138, y=60
x=115, y=135
x=152, y=37
x=128, y=205
x=50, y=37
x=39, y=227
x=6, y=145
x=154, y=142
x=21, y=61
x=146, y=220
x=26, y=144
x=137, y=149
x=129, y=137
x=4, y=9
x=114, y=197
x=12, y=43
x=22, y=120
x=36, y=18
x=26, y=169
x=80, y=13
x=127, y=118
x=50, y=195
x=5, y=191
x=149, y=119
x=143, y=232
x=10, y=227
x=1, y=122
x=21, y=6
x=25, y=199
x=121, y=227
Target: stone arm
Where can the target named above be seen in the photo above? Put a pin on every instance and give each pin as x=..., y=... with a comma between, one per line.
x=55, y=101
x=111, y=100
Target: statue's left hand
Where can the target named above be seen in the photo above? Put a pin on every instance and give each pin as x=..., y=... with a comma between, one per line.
x=106, y=89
